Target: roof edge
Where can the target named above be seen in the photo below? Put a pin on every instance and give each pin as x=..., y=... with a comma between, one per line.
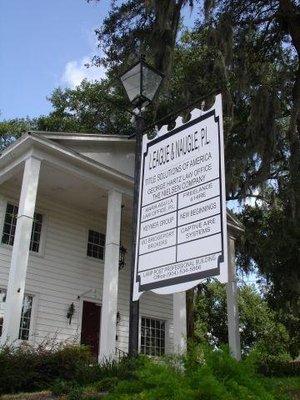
x=98, y=137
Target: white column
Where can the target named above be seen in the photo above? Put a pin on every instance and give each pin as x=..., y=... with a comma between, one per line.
x=232, y=303
x=110, y=279
x=20, y=251
x=179, y=322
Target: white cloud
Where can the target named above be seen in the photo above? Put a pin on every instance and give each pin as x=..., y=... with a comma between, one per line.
x=76, y=71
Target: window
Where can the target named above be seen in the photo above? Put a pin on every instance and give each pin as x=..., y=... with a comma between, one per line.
x=36, y=232
x=2, y=301
x=9, y=228
x=96, y=245
x=25, y=316
x=153, y=333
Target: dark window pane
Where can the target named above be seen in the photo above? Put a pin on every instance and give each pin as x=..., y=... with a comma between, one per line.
x=152, y=336
x=25, y=316
x=9, y=228
x=5, y=239
x=96, y=243
x=6, y=228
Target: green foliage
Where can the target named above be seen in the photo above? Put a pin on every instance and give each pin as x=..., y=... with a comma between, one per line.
x=120, y=369
x=71, y=389
x=203, y=374
x=106, y=384
x=10, y=130
x=277, y=255
x=89, y=108
x=60, y=367
x=259, y=325
x=285, y=387
x=153, y=381
x=76, y=393
x=61, y=387
x=274, y=366
x=27, y=369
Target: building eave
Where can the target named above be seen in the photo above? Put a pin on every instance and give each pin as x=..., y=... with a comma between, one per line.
x=32, y=140
x=86, y=137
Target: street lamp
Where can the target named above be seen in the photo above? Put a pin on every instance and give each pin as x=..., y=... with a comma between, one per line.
x=141, y=83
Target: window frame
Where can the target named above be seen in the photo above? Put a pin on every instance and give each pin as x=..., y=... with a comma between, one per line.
x=98, y=230
x=151, y=317
x=31, y=332
x=13, y=202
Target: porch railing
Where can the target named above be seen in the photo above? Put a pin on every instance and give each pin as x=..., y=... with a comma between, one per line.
x=120, y=353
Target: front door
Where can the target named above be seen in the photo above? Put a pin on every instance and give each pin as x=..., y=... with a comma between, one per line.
x=90, y=327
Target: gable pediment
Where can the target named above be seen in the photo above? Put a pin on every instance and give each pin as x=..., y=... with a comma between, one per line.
x=113, y=151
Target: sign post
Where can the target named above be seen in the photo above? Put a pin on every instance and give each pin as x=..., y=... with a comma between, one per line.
x=232, y=303
x=181, y=233
x=134, y=303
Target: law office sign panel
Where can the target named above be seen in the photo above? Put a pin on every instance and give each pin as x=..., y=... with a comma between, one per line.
x=181, y=232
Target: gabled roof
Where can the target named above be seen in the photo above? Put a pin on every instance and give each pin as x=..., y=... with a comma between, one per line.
x=27, y=140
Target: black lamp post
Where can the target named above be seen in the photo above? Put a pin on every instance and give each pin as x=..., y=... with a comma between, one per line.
x=141, y=83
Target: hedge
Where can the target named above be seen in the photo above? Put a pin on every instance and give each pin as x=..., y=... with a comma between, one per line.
x=29, y=369
x=279, y=368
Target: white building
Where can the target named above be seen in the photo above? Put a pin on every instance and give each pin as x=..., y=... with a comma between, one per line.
x=65, y=207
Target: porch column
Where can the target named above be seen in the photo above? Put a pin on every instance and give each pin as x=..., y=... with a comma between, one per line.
x=110, y=279
x=20, y=251
x=179, y=322
x=232, y=303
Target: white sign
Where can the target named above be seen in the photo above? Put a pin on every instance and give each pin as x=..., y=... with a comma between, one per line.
x=181, y=231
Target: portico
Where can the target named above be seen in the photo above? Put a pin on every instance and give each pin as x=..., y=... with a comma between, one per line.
x=75, y=192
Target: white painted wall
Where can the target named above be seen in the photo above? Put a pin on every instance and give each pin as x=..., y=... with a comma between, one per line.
x=116, y=155
x=63, y=271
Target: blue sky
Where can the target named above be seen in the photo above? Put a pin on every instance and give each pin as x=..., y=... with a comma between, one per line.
x=45, y=44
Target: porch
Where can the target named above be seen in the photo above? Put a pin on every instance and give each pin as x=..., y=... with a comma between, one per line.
x=79, y=202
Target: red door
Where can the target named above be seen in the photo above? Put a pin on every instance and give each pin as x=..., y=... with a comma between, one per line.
x=90, y=328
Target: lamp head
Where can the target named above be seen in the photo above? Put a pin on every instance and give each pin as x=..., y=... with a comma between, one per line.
x=141, y=83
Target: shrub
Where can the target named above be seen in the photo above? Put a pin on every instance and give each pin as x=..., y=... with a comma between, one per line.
x=61, y=368
x=276, y=367
x=106, y=384
x=273, y=362
x=123, y=369
x=28, y=369
x=60, y=387
x=204, y=374
x=76, y=393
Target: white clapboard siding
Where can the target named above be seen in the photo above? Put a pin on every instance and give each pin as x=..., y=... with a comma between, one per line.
x=63, y=272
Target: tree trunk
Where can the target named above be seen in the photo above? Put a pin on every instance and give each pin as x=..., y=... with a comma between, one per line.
x=167, y=17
